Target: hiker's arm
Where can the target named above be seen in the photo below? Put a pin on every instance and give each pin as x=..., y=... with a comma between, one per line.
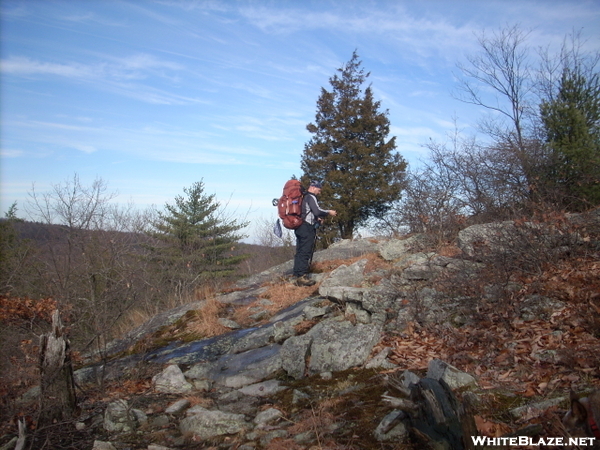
x=316, y=209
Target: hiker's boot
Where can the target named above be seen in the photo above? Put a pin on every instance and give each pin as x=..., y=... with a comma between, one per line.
x=304, y=281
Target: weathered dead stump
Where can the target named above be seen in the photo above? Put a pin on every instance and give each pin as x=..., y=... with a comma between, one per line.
x=58, y=401
x=440, y=421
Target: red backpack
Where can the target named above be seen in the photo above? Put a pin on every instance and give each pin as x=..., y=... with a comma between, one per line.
x=289, y=205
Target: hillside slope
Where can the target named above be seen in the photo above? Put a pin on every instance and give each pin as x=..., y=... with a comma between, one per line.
x=515, y=306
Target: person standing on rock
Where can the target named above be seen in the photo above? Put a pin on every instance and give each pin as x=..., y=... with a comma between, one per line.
x=306, y=233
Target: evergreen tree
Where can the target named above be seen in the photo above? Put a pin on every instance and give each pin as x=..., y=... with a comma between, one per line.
x=572, y=126
x=17, y=268
x=350, y=151
x=196, y=241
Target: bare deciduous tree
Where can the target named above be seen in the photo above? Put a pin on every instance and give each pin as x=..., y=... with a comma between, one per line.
x=91, y=255
x=461, y=179
x=538, y=115
x=499, y=79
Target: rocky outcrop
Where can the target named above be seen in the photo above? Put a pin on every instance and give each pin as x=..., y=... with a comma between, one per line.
x=335, y=330
x=501, y=237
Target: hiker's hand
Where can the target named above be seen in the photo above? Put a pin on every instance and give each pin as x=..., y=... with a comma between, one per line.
x=332, y=212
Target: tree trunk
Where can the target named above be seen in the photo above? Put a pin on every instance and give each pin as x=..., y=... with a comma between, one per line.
x=346, y=229
x=57, y=397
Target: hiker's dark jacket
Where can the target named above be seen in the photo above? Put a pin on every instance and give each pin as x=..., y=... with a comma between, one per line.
x=311, y=210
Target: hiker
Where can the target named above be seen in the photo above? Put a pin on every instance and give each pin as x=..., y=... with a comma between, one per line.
x=306, y=233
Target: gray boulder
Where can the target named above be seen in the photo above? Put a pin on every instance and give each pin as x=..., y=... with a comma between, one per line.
x=506, y=237
x=380, y=360
x=355, y=313
x=228, y=323
x=293, y=355
x=295, y=310
x=352, y=275
x=339, y=345
x=119, y=417
x=343, y=284
x=267, y=416
x=428, y=266
x=392, y=428
x=101, y=445
x=285, y=328
x=454, y=378
x=489, y=236
x=395, y=249
x=206, y=424
x=343, y=293
x=535, y=409
x=178, y=407
x=171, y=381
x=242, y=369
x=262, y=389
x=347, y=248
x=539, y=307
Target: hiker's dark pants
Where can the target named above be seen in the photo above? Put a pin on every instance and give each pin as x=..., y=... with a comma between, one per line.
x=305, y=239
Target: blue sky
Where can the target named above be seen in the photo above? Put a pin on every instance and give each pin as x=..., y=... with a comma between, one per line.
x=152, y=96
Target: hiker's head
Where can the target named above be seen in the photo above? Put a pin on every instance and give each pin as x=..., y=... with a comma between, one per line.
x=315, y=187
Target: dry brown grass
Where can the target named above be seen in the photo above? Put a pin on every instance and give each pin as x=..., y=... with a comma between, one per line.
x=280, y=296
x=196, y=400
x=374, y=262
x=144, y=312
x=207, y=291
x=284, y=444
x=449, y=250
x=305, y=325
x=318, y=419
x=130, y=321
x=205, y=321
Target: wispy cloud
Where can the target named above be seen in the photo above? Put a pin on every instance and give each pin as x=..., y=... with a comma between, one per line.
x=413, y=134
x=91, y=17
x=195, y=5
x=349, y=20
x=124, y=76
x=10, y=153
x=22, y=65
x=149, y=94
x=38, y=124
x=144, y=61
x=264, y=127
x=135, y=66
x=421, y=34
x=55, y=134
x=422, y=37
x=157, y=143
